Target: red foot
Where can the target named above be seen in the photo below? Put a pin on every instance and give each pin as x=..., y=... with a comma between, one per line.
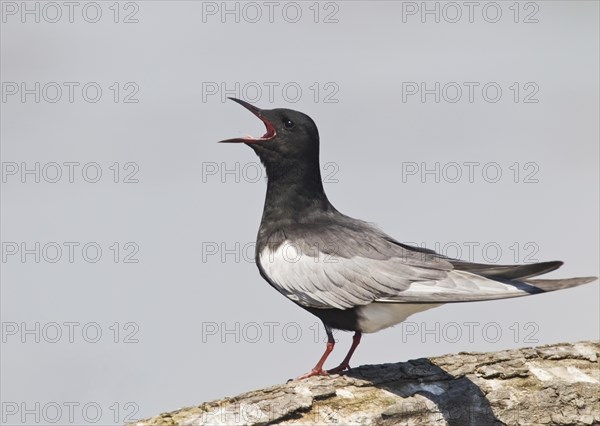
x=318, y=370
x=313, y=372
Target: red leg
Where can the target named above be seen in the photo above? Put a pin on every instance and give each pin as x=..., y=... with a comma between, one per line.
x=318, y=370
x=345, y=365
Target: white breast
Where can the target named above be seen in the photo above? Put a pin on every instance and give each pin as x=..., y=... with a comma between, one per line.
x=377, y=316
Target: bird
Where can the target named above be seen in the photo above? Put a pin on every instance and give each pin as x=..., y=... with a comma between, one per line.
x=346, y=271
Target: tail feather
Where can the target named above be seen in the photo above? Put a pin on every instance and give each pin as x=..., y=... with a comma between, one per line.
x=559, y=284
x=507, y=272
x=463, y=286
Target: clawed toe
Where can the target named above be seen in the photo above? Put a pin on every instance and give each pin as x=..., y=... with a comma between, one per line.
x=313, y=372
x=340, y=368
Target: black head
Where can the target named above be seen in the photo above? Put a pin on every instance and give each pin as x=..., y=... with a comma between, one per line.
x=290, y=152
x=291, y=138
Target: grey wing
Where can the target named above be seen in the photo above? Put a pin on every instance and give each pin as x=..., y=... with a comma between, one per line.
x=470, y=282
x=353, y=264
x=344, y=265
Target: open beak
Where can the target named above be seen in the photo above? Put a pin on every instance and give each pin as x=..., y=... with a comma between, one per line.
x=270, y=134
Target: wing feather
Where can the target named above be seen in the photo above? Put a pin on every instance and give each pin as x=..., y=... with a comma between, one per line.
x=349, y=263
x=343, y=266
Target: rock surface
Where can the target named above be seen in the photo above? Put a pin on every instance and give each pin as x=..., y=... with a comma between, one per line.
x=548, y=385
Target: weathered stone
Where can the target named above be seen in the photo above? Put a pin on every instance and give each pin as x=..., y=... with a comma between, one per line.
x=553, y=384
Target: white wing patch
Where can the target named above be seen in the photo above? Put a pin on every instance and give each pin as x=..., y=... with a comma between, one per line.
x=306, y=279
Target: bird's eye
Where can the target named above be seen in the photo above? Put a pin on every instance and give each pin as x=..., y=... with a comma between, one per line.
x=288, y=123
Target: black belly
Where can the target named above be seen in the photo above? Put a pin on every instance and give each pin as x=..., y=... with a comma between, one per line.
x=337, y=318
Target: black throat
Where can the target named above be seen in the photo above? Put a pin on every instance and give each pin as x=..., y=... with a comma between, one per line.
x=294, y=188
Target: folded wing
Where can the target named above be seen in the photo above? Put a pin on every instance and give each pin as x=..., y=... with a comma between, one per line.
x=352, y=264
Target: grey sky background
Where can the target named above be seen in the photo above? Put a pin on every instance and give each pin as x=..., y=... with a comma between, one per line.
x=182, y=220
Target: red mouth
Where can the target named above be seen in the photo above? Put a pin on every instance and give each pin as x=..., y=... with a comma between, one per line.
x=270, y=133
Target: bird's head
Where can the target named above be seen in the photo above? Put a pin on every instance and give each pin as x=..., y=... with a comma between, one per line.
x=291, y=137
